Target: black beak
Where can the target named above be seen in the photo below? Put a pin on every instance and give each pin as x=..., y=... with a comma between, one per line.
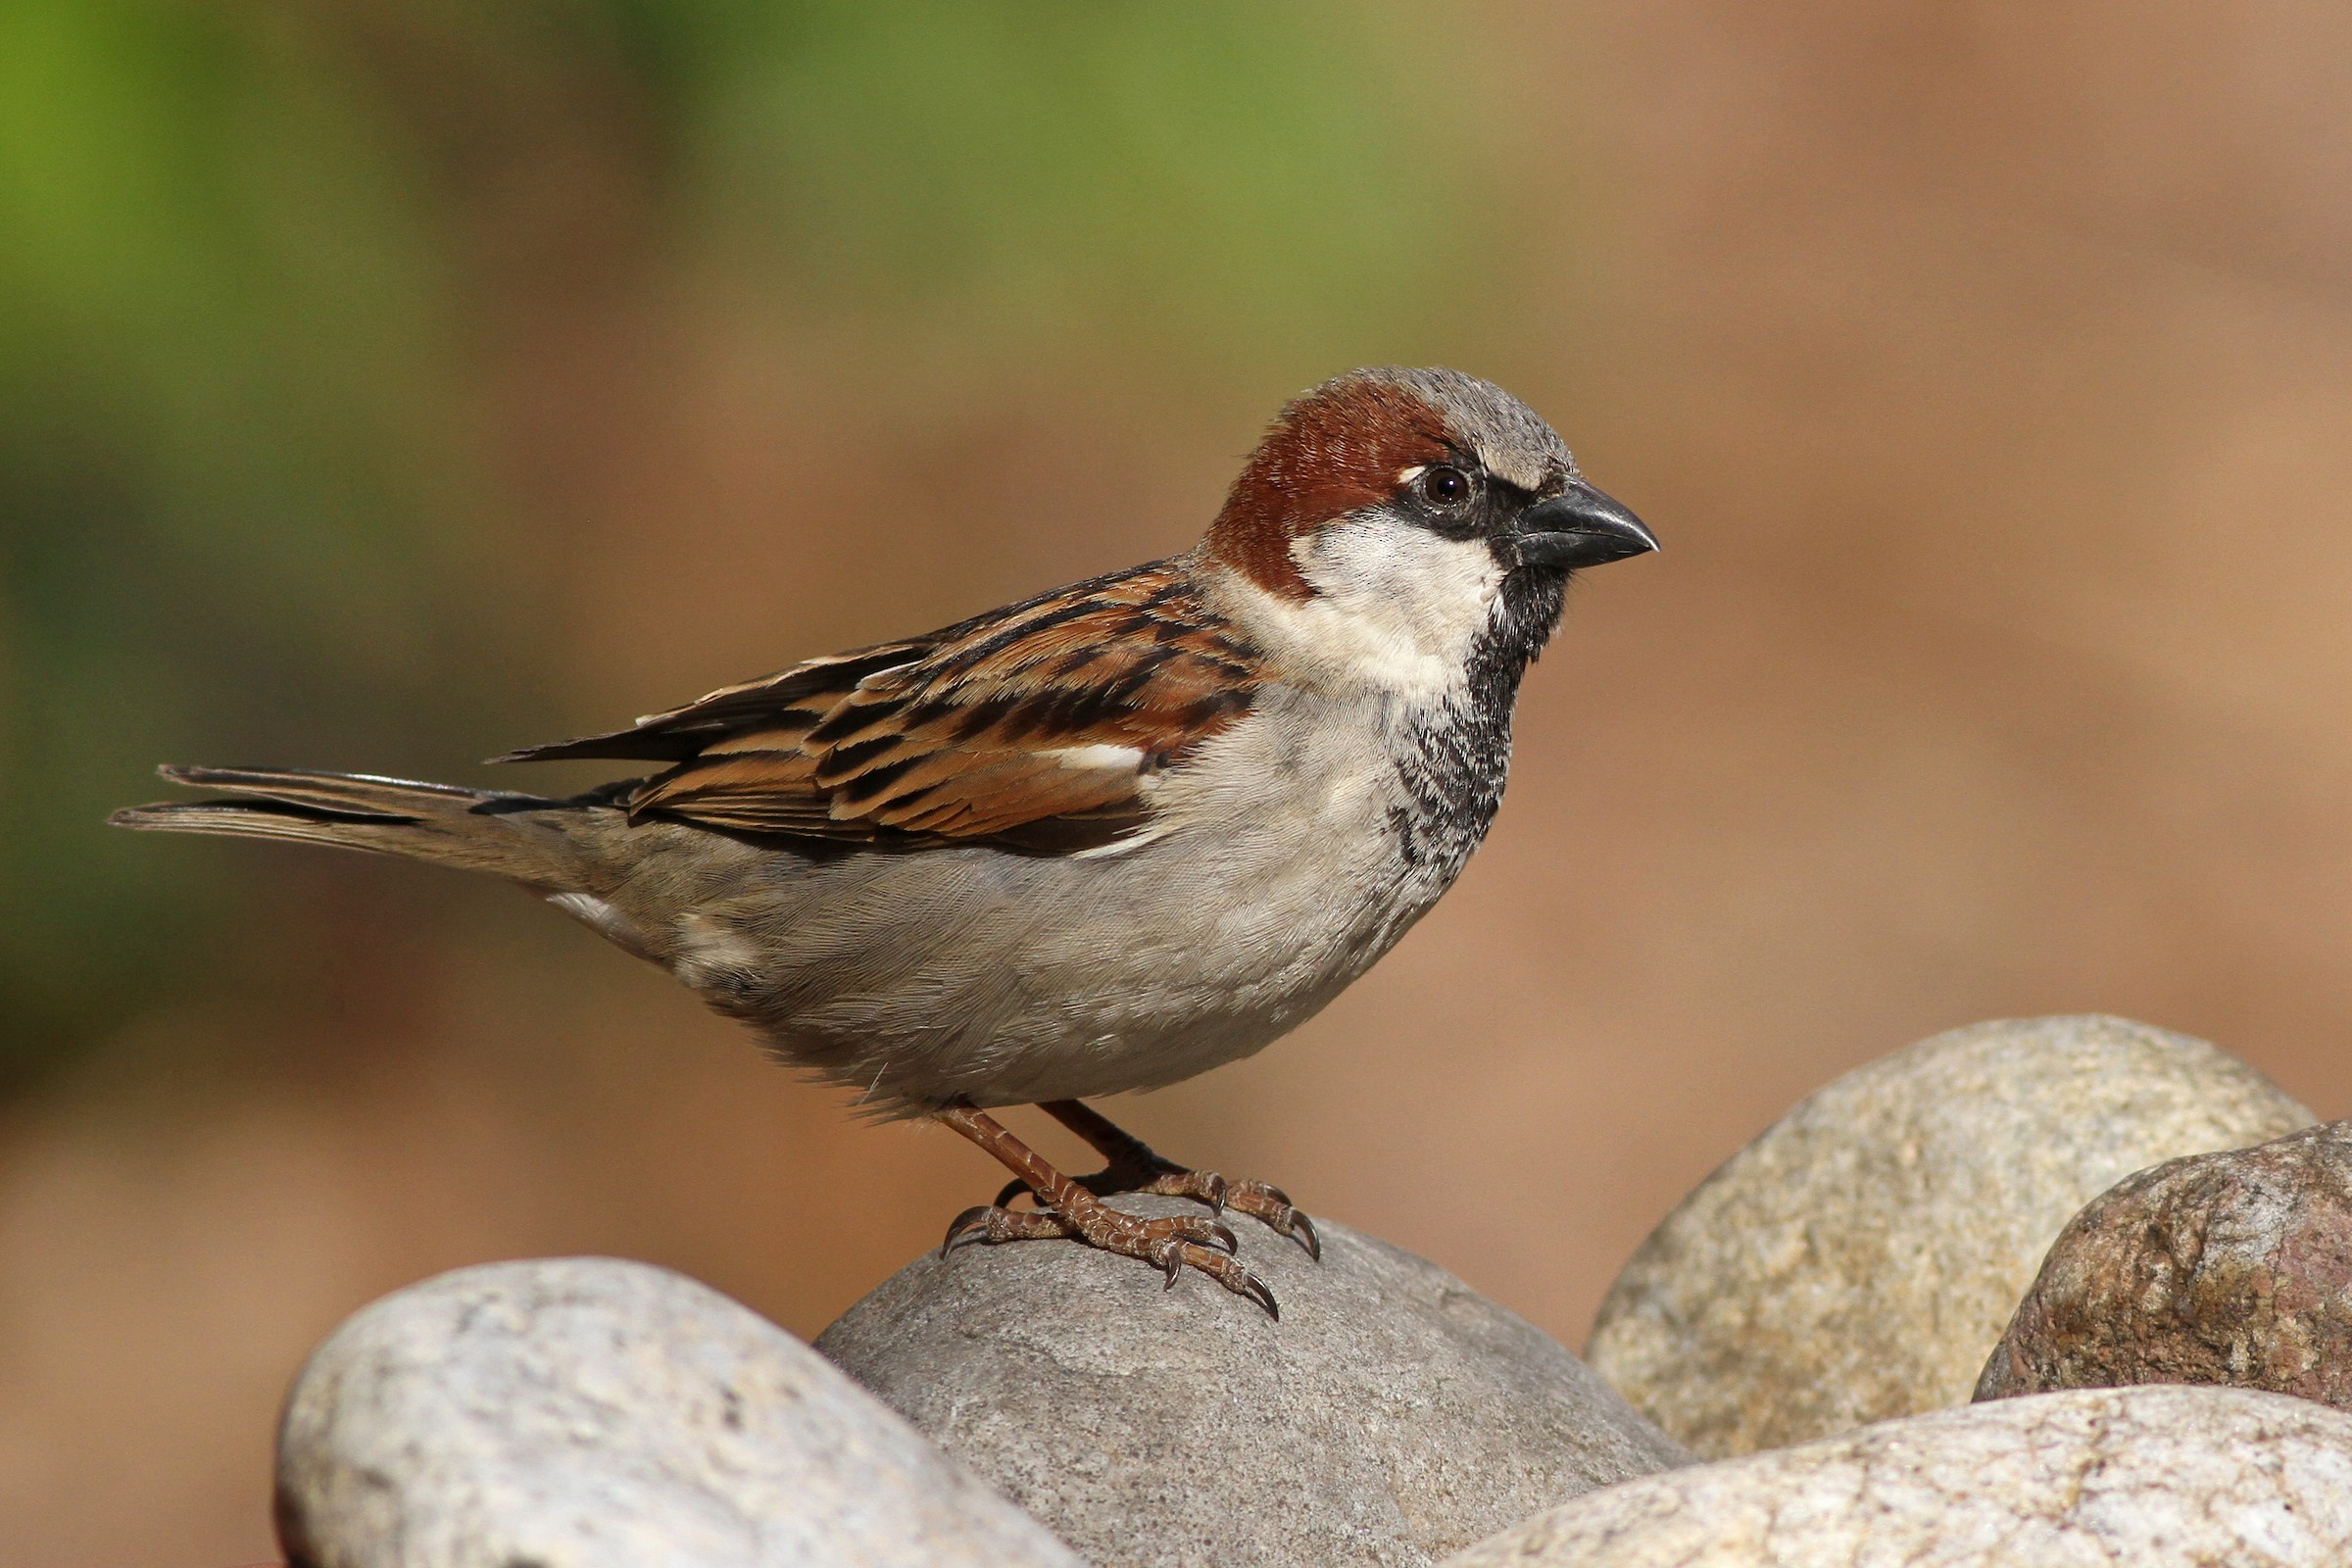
x=1579, y=528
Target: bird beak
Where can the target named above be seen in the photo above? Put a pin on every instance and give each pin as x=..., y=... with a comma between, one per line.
x=1579, y=528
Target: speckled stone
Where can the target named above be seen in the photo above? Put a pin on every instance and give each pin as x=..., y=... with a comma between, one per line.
x=1392, y=1414
x=2153, y=1477
x=2230, y=1268
x=592, y=1413
x=1861, y=1257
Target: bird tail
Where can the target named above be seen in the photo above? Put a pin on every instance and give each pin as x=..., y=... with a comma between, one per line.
x=507, y=835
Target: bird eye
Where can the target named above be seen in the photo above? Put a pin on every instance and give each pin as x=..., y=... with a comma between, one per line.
x=1443, y=485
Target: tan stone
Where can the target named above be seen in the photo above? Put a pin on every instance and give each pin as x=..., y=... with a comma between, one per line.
x=1861, y=1257
x=2155, y=1477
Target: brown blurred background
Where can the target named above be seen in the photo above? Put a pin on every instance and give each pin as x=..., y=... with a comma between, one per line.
x=387, y=382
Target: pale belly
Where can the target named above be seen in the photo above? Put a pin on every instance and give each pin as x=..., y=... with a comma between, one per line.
x=1003, y=978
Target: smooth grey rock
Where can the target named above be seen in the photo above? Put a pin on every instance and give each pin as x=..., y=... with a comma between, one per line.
x=1860, y=1258
x=1390, y=1417
x=592, y=1413
x=2150, y=1477
x=2231, y=1268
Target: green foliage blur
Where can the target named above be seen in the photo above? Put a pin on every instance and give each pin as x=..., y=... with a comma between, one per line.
x=252, y=501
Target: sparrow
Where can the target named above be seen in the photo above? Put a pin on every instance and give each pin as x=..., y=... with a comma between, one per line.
x=1098, y=841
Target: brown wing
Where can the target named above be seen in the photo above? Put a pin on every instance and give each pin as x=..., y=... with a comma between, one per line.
x=1041, y=726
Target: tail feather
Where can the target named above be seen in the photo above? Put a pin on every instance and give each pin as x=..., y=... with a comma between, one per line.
x=500, y=833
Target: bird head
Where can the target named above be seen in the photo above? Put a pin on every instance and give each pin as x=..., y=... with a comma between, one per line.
x=1393, y=523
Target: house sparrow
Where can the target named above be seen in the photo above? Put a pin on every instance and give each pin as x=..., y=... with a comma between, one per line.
x=1098, y=841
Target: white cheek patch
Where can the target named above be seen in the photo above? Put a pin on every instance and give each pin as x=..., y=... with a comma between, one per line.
x=1396, y=607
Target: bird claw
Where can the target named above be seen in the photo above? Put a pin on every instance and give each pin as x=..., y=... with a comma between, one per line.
x=1134, y=1168
x=1303, y=1231
x=1260, y=1200
x=1212, y=1191
x=1171, y=1245
x=1073, y=1206
x=1268, y=1205
x=963, y=1225
x=1221, y=1268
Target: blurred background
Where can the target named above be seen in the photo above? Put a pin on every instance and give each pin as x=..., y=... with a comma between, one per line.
x=384, y=383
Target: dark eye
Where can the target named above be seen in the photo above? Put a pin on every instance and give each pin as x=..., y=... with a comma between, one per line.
x=1444, y=486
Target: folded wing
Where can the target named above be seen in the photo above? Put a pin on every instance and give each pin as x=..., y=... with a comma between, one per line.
x=1043, y=725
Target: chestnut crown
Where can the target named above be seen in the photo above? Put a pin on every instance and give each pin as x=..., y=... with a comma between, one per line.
x=1360, y=440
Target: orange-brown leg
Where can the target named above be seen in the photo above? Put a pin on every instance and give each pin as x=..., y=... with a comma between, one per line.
x=1131, y=1166
x=1069, y=1208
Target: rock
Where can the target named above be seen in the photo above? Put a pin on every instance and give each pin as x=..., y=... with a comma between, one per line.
x=591, y=1413
x=2156, y=1477
x=2232, y=1268
x=1859, y=1259
x=1390, y=1417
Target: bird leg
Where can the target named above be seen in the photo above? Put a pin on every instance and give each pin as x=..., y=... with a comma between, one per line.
x=1131, y=1166
x=1067, y=1207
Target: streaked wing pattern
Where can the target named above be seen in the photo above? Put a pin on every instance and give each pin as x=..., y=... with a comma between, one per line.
x=1041, y=726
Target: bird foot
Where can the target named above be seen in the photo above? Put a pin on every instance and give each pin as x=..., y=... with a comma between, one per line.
x=1262, y=1202
x=1171, y=1245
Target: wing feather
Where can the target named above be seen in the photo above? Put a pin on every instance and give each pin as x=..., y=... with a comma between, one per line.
x=1043, y=725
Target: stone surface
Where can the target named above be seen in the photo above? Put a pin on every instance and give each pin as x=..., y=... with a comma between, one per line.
x=2154, y=1477
x=591, y=1413
x=1860, y=1258
x=1390, y=1417
x=2231, y=1268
